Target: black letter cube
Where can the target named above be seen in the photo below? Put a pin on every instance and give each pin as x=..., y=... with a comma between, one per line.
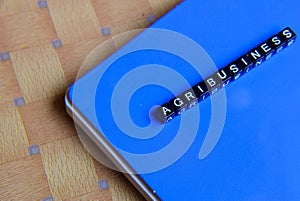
x=201, y=91
x=289, y=35
x=234, y=70
x=190, y=97
x=179, y=104
x=277, y=42
x=165, y=113
x=213, y=83
x=257, y=56
x=267, y=49
x=245, y=63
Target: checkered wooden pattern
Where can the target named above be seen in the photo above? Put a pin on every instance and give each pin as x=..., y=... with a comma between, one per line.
x=42, y=45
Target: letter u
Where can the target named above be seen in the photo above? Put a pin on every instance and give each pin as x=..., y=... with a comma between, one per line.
x=223, y=76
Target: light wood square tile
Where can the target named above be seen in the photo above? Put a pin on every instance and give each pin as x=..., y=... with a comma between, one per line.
x=122, y=189
x=69, y=168
x=13, y=138
x=46, y=120
x=73, y=55
x=11, y=7
x=26, y=29
x=9, y=87
x=97, y=195
x=104, y=172
x=39, y=72
x=23, y=180
x=121, y=17
x=74, y=20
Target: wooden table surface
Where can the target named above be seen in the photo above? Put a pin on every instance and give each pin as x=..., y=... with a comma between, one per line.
x=42, y=45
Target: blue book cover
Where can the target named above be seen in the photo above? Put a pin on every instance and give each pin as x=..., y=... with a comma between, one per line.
x=242, y=143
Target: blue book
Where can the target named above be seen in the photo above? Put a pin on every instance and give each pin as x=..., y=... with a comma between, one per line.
x=241, y=143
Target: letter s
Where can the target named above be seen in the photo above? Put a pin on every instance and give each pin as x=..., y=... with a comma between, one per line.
x=276, y=41
x=287, y=34
x=234, y=68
